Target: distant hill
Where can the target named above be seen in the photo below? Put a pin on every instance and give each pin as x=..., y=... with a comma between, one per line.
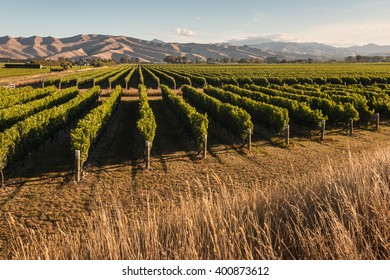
x=117, y=47
x=313, y=50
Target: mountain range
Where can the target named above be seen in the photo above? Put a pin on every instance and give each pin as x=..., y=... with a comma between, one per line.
x=117, y=47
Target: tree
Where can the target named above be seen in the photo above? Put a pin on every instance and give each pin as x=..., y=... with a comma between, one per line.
x=169, y=59
x=176, y=59
x=210, y=60
x=271, y=60
x=135, y=60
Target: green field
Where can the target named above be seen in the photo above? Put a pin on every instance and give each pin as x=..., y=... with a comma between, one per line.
x=7, y=73
x=4, y=72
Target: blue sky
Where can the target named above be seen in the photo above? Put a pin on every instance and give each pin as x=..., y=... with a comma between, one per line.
x=340, y=23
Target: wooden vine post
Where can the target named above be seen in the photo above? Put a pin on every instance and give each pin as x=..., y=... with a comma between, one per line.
x=287, y=134
x=77, y=166
x=204, y=146
x=147, y=159
x=127, y=85
x=2, y=179
x=43, y=83
x=249, y=139
x=109, y=84
x=377, y=121
x=350, y=126
x=322, y=130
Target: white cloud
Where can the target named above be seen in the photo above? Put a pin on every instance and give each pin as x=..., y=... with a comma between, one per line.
x=198, y=18
x=185, y=32
x=337, y=34
x=265, y=38
x=280, y=37
x=346, y=34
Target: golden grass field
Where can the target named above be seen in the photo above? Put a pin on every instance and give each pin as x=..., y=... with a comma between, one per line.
x=341, y=212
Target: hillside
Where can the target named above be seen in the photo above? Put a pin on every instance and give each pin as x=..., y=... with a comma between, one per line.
x=116, y=47
x=313, y=49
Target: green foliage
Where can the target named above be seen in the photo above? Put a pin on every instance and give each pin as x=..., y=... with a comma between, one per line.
x=229, y=80
x=195, y=79
x=260, y=81
x=20, y=97
x=195, y=123
x=88, y=77
x=349, y=80
x=106, y=77
x=364, y=80
x=304, y=80
x=351, y=112
x=155, y=79
x=275, y=80
x=299, y=112
x=82, y=78
x=291, y=81
x=331, y=109
x=89, y=128
x=382, y=105
x=12, y=115
x=244, y=80
x=184, y=80
x=146, y=123
x=115, y=78
x=164, y=78
x=141, y=76
x=15, y=91
x=268, y=115
x=214, y=81
x=130, y=74
x=229, y=116
x=360, y=103
x=36, y=129
x=334, y=80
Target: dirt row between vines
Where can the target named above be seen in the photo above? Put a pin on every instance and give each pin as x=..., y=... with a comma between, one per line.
x=40, y=190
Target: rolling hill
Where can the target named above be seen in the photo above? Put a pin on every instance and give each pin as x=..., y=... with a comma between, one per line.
x=117, y=47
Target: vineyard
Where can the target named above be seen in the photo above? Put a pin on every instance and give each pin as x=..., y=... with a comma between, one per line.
x=236, y=97
x=68, y=139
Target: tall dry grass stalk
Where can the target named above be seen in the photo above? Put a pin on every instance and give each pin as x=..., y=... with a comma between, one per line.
x=341, y=213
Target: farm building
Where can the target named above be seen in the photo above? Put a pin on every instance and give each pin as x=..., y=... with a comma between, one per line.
x=24, y=65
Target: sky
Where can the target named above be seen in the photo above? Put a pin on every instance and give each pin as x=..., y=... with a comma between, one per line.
x=338, y=23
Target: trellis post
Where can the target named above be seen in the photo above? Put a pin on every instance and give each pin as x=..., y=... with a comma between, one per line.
x=77, y=166
x=350, y=126
x=204, y=146
x=147, y=159
x=249, y=139
x=322, y=129
x=287, y=134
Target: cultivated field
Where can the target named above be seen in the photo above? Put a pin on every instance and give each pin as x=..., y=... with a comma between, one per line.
x=310, y=199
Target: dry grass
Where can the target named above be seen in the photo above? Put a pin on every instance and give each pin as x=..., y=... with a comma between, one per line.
x=342, y=212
